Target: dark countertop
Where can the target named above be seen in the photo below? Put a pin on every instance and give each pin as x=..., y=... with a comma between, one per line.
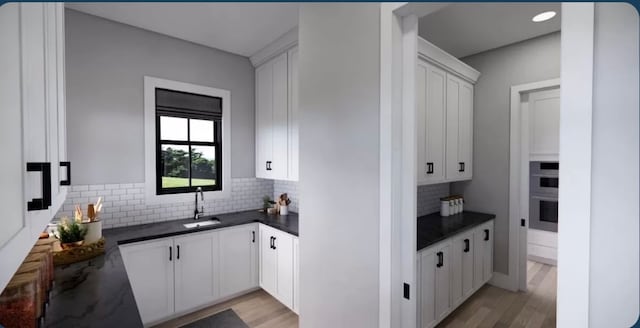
x=96, y=293
x=433, y=228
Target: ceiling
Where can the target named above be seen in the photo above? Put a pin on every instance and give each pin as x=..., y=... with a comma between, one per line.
x=239, y=28
x=463, y=29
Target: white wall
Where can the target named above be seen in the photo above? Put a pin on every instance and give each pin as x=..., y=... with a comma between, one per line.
x=106, y=62
x=615, y=236
x=524, y=62
x=339, y=164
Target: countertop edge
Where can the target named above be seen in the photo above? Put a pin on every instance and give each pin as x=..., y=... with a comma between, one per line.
x=482, y=218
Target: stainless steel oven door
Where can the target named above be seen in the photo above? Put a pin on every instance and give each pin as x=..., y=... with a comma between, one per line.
x=543, y=213
x=544, y=185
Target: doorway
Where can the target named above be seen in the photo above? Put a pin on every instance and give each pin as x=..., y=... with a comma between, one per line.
x=534, y=167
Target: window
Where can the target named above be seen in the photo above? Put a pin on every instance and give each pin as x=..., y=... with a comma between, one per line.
x=188, y=142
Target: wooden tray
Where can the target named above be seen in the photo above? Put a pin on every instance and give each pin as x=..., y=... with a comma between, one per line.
x=77, y=254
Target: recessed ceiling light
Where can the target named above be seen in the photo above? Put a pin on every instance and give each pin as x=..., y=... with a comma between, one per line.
x=541, y=17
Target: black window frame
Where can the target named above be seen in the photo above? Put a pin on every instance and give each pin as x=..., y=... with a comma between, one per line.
x=164, y=111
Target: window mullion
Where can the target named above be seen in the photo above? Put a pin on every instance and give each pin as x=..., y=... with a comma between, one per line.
x=190, y=150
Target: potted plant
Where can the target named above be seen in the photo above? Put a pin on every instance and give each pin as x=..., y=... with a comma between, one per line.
x=70, y=233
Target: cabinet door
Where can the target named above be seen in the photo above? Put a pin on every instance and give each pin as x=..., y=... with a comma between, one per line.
x=427, y=288
x=283, y=245
x=268, y=261
x=264, y=118
x=34, y=109
x=296, y=275
x=196, y=280
x=461, y=268
x=431, y=86
x=279, y=159
x=443, y=271
x=12, y=200
x=293, y=115
x=483, y=254
x=459, y=129
x=149, y=266
x=237, y=259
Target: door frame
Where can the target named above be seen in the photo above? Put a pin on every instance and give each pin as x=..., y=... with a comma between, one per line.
x=519, y=180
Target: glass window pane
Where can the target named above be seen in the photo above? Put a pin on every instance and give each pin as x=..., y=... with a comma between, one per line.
x=203, y=167
x=175, y=166
x=173, y=128
x=201, y=130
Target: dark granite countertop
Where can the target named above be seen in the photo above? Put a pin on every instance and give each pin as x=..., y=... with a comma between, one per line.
x=433, y=228
x=96, y=293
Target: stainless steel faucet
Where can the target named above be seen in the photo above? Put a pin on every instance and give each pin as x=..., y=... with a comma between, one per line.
x=196, y=213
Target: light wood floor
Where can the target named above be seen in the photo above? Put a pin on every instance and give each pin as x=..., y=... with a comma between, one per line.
x=496, y=307
x=257, y=309
x=489, y=307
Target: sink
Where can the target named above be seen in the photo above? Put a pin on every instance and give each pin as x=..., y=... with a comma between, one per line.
x=203, y=223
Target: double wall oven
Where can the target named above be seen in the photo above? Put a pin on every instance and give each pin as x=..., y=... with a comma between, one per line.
x=543, y=195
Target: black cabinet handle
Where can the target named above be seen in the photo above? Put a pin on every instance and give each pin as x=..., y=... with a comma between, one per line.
x=268, y=165
x=440, y=259
x=271, y=242
x=466, y=245
x=429, y=168
x=170, y=253
x=253, y=236
x=486, y=234
x=68, y=181
x=44, y=202
x=461, y=167
x=178, y=255
x=274, y=243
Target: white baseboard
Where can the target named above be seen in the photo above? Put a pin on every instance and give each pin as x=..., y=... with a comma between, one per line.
x=504, y=281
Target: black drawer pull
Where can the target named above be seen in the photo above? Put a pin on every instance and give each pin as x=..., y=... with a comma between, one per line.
x=274, y=243
x=466, y=245
x=170, y=254
x=486, y=234
x=43, y=203
x=253, y=236
x=268, y=165
x=461, y=167
x=271, y=242
x=178, y=255
x=66, y=182
x=440, y=259
x=429, y=168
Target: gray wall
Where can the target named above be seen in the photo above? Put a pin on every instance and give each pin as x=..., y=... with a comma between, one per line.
x=339, y=171
x=614, y=229
x=106, y=62
x=528, y=61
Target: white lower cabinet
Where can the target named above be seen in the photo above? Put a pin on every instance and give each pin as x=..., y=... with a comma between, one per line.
x=277, y=264
x=483, y=256
x=450, y=271
x=462, y=268
x=149, y=266
x=296, y=276
x=238, y=259
x=435, y=270
x=173, y=276
x=196, y=270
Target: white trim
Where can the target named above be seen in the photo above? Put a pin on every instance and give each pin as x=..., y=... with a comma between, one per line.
x=446, y=61
x=150, y=84
x=518, y=150
x=574, y=211
x=282, y=44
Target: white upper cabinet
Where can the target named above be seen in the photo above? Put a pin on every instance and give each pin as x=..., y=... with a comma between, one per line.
x=444, y=116
x=32, y=125
x=544, y=115
x=431, y=83
x=277, y=117
x=459, y=128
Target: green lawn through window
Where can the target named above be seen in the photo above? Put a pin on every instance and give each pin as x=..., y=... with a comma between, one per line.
x=170, y=182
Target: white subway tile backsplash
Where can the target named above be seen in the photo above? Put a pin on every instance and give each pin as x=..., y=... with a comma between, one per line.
x=124, y=204
x=428, y=198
